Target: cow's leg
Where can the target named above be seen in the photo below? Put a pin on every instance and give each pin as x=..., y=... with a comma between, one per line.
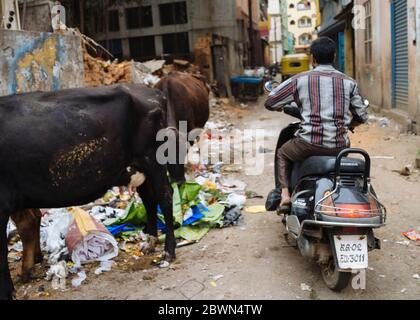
x=163, y=192
x=162, y=185
x=6, y=284
x=149, y=200
x=28, y=226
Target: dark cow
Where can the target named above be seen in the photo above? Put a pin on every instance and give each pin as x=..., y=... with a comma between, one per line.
x=68, y=148
x=188, y=100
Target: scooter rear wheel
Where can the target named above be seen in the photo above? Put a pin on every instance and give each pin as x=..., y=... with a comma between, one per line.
x=333, y=278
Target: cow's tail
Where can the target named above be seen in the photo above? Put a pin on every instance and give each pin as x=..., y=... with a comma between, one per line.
x=170, y=112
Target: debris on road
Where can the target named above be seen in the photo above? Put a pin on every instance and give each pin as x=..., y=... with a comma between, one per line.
x=412, y=235
x=81, y=277
x=405, y=171
x=88, y=240
x=403, y=243
x=305, y=287
x=255, y=209
x=58, y=274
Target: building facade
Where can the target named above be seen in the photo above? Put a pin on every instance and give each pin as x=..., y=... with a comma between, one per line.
x=336, y=23
x=276, y=30
x=147, y=29
x=302, y=21
x=387, y=59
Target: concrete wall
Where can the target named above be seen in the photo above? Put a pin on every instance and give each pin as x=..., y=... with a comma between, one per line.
x=38, y=15
x=34, y=61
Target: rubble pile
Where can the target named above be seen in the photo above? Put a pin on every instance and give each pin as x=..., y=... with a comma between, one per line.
x=99, y=72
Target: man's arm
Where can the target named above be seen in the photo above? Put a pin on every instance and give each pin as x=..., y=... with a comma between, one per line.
x=282, y=95
x=357, y=108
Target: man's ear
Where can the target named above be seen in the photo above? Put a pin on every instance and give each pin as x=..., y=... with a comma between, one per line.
x=313, y=60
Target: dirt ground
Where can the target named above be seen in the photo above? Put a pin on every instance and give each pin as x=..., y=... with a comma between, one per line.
x=253, y=261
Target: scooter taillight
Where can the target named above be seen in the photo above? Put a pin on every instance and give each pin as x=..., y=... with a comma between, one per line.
x=339, y=209
x=354, y=211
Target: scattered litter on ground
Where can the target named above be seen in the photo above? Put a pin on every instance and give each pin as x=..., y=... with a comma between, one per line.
x=105, y=266
x=164, y=264
x=403, y=243
x=58, y=274
x=416, y=276
x=81, y=277
x=412, y=235
x=253, y=195
x=405, y=171
x=382, y=121
x=218, y=277
x=305, y=287
x=255, y=209
x=233, y=216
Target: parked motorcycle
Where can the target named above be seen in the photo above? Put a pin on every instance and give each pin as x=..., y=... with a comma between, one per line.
x=334, y=209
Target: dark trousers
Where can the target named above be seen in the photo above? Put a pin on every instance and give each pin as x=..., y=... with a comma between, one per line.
x=297, y=150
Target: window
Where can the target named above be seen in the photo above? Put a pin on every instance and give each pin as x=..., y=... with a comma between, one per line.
x=305, y=39
x=368, y=32
x=292, y=23
x=139, y=17
x=176, y=43
x=115, y=47
x=98, y=23
x=142, y=48
x=173, y=13
x=305, y=22
x=304, y=5
x=292, y=6
x=114, y=21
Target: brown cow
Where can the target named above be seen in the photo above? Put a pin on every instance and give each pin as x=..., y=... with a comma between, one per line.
x=188, y=100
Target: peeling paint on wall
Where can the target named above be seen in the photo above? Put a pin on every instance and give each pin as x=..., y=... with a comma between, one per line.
x=39, y=61
x=36, y=65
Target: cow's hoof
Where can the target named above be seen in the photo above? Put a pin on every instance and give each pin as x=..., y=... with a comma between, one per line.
x=169, y=257
x=149, y=246
x=25, y=277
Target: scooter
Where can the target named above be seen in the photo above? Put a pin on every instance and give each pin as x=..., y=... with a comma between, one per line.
x=334, y=209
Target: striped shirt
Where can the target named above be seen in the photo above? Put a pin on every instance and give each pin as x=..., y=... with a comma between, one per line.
x=327, y=99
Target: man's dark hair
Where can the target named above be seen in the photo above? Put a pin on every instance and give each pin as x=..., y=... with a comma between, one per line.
x=323, y=50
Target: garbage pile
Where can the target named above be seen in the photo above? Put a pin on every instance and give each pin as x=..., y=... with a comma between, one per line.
x=71, y=238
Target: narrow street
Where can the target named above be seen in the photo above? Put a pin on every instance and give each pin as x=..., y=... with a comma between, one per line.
x=253, y=260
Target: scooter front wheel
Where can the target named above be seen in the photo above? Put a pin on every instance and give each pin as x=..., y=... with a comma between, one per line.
x=333, y=278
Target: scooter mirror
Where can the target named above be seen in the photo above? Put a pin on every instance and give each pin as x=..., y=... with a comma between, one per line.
x=366, y=102
x=271, y=85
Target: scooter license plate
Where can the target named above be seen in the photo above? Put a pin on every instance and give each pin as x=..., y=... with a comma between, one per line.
x=352, y=251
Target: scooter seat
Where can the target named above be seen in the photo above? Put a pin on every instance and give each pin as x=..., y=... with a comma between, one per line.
x=322, y=166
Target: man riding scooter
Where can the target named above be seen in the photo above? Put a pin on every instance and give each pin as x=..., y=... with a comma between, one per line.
x=330, y=106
